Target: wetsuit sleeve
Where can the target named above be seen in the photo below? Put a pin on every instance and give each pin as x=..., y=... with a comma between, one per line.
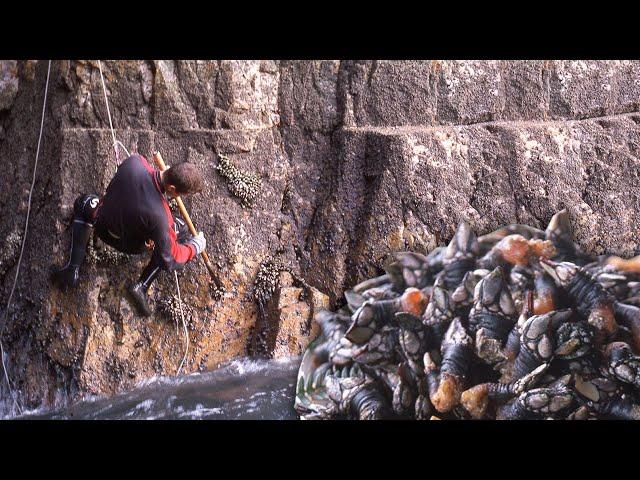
x=168, y=253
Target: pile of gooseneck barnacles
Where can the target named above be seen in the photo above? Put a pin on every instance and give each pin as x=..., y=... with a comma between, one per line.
x=516, y=324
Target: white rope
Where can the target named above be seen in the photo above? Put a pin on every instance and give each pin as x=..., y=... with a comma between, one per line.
x=24, y=239
x=184, y=324
x=123, y=147
x=106, y=101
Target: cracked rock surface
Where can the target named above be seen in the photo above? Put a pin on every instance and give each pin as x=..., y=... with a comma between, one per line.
x=356, y=159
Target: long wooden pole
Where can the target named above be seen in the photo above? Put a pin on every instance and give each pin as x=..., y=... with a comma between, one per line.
x=157, y=159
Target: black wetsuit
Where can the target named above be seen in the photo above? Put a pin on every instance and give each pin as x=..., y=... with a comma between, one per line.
x=134, y=210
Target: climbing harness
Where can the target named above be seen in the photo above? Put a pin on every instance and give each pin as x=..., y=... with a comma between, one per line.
x=24, y=239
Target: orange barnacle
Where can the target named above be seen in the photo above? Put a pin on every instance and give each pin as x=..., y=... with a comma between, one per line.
x=603, y=319
x=414, y=301
x=542, y=248
x=543, y=303
x=514, y=249
x=629, y=316
x=517, y=250
x=545, y=296
x=476, y=400
x=447, y=396
x=544, y=299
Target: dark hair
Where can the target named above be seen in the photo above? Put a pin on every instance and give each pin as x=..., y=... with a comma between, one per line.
x=185, y=177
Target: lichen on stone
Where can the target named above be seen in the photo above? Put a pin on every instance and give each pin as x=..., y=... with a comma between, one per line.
x=243, y=185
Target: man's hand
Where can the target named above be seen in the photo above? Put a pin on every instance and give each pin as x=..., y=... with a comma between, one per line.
x=199, y=243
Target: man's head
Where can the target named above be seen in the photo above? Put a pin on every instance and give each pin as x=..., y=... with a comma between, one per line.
x=182, y=179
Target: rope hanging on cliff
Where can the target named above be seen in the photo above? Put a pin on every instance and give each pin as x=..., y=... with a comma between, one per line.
x=113, y=132
x=24, y=239
x=184, y=325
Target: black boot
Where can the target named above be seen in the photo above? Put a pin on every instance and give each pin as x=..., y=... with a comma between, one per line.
x=68, y=275
x=138, y=291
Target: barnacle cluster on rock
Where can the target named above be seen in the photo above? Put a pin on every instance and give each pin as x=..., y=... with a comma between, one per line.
x=266, y=280
x=516, y=324
x=241, y=184
x=287, y=196
x=10, y=249
x=265, y=284
x=170, y=307
x=99, y=253
x=216, y=292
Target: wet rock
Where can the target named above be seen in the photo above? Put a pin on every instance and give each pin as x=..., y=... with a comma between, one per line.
x=172, y=106
x=294, y=310
x=383, y=92
x=247, y=95
x=129, y=101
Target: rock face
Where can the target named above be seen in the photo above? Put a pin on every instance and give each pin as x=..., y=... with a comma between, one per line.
x=288, y=326
x=355, y=159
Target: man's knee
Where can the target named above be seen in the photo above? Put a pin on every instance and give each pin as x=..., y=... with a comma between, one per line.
x=85, y=208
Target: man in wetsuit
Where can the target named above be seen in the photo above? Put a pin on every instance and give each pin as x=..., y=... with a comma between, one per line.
x=133, y=216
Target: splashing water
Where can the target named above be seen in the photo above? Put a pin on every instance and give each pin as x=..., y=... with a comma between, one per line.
x=251, y=389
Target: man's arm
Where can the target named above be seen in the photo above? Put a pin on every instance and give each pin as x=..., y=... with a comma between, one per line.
x=168, y=253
